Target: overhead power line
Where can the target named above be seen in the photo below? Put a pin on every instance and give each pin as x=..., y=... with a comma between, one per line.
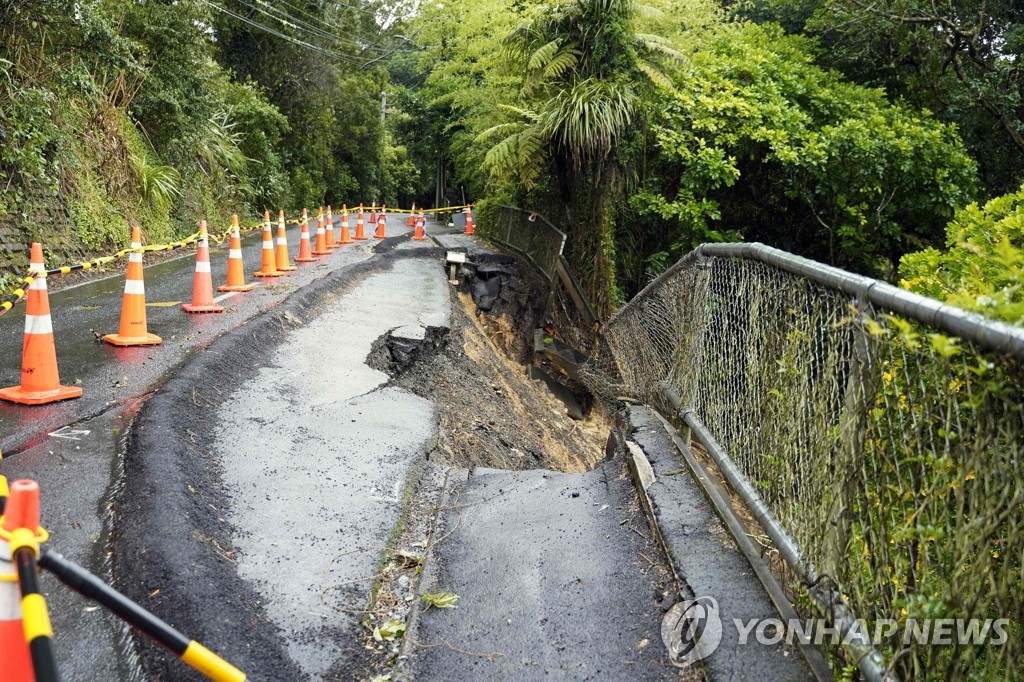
x=291, y=39
x=286, y=19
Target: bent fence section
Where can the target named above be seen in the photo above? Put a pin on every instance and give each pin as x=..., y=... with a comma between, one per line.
x=536, y=239
x=877, y=435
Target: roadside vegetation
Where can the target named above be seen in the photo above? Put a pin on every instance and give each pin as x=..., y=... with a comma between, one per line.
x=641, y=129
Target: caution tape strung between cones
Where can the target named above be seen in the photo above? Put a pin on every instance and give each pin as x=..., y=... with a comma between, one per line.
x=18, y=294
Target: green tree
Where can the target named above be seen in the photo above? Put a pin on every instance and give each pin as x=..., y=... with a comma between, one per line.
x=587, y=72
x=982, y=266
x=758, y=142
x=962, y=60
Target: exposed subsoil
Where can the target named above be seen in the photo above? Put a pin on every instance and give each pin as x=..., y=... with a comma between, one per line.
x=490, y=413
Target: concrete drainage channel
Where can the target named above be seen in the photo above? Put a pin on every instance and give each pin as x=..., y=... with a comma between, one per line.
x=307, y=494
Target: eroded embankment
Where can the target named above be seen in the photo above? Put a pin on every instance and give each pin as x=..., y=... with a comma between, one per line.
x=491, y=414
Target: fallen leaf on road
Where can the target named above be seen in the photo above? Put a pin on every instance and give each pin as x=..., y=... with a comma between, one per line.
x=442, y=600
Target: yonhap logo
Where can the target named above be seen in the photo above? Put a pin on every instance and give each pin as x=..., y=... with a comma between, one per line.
x=692, y=630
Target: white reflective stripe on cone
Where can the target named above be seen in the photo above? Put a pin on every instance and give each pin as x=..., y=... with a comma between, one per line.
x=38, y=324
x=234, y=253
x=268, y=245
x=282, y=241
x=134, y=257
x=38, y=283
x=203, y=266
x=134, y=286
x=304, y=235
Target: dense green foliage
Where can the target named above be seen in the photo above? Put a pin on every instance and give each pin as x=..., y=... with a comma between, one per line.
x=983, y=266
x=846, y=131
x=644, y=130
x=962, y=60
x=162, y=112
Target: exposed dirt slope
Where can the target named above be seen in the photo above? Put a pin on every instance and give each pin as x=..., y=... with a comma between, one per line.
x=490, y=413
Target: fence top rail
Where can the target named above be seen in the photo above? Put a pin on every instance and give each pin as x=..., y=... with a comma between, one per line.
x=978, y=329
x=536, y=216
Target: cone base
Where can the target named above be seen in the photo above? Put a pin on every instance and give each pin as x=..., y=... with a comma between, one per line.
x=468, y=232
x=359, y=239
x=306, y=260
x=236, y=287
x=189, y=308
x=325, y=252
x=276, y=273
x=16, y=394
x=419, y=239
x=147, y=340
x=289, y=268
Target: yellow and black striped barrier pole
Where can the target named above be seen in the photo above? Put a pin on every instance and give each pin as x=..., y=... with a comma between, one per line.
x=34, y=615
x=21, y=535
x=189, y=651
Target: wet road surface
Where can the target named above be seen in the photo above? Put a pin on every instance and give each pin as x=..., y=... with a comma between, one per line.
x=74, y=449
x=110, y=375
x=327, y=461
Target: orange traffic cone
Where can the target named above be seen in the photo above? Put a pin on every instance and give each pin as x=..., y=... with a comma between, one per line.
x=469, y=220
x=202, y=281
x=411, y=221
x=382, y=222
x=329, y=229
x=305, y=254
x=21, y=511
x=321, y=239
x=418, y=234
x=360, y=236
x=39, y=380
x=282, y=245
x=132, y=331
x=345, y=238
x=236, y=266
x=268, y=268
x=373, y=213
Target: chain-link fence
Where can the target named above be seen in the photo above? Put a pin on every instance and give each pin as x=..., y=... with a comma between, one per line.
x=533, y=237
x=529, y=233
x=882, y=431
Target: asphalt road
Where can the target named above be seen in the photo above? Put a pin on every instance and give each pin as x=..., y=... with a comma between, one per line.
x=75, y=449
x=335, y=446
x=557, y=576
x=110, y=375
x=247, y=492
